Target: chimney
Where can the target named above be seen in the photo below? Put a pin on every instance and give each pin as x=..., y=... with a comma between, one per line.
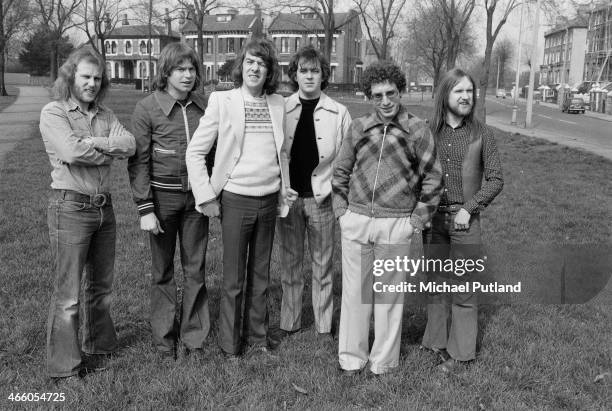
x=168, y=23
x=257, y=28
x=107, y=22
x=125, y=21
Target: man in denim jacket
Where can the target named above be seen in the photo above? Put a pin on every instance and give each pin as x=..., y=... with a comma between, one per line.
x=81, y=137
x=163, y=124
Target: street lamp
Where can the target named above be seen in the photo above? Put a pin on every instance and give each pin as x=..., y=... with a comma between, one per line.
x=518, y=71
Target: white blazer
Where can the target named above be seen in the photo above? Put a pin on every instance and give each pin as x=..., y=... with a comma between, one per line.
x=224, y=121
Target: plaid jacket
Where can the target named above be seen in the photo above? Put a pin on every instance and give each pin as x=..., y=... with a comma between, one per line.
x=388, y=170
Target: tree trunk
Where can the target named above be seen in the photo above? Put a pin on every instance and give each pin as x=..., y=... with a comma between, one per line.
x=2, y=85
x=481, y=111
x=53, y=61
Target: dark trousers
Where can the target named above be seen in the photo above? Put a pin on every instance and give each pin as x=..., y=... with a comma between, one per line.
x=247, y=224
x=177, y=216
x=460, y=340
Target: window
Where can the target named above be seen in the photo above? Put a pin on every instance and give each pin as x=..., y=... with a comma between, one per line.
x=113, y=48
x=333, y=45
x=143, y=47
x=242, y=40
x=107, y=47
x=128, y=47
x=209, y=46
x=284, y=45
x=332, y=75
x=297, y=43
x=230, y=46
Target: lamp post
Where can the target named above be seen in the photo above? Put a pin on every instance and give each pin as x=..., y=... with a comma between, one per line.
x=518, y=71
x=534, y=55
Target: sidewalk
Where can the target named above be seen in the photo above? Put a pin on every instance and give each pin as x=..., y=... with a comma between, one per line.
x=588, y=113
x=20, y=120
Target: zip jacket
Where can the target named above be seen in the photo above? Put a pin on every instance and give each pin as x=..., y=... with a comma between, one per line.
x=162, y=128
x=388, y=170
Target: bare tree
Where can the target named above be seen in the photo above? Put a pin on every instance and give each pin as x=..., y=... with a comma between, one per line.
x=456, y=15
x=325, y=11
x=379, y=19
x=14, y=14
x=195, y=11
x=57, y=17
x=503, y=52
x=99, y=18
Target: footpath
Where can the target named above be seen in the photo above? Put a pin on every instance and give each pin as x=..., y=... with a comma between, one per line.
x=19, y=121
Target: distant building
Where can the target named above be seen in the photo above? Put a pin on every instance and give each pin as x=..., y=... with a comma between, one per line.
x=127, y=49
x=291, y=31
x=224, y=35
x=599, y=45
x=564, y=48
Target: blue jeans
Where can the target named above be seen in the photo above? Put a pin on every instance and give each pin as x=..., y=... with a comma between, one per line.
x=306, y=217
x=82, y=238
x=247, y=224
x=178, y=217
x=460, y=308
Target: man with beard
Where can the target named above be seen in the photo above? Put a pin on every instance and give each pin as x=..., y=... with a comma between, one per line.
x=467, y=151
x=82, y=138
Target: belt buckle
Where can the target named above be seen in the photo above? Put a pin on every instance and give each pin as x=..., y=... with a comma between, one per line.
x=99, y=200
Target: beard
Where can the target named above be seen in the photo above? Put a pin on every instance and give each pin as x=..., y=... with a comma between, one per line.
x=460, y=111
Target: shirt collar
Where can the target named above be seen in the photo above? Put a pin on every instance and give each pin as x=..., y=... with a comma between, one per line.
x=462, y=124
x=72, y=105
x=166, y=101
x=324, y=103
x=401, y=120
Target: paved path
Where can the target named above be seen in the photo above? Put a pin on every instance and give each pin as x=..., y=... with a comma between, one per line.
x=21, y=117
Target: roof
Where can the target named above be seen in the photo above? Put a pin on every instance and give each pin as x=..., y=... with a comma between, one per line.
x=140, y=30
x=294, y=22
x=239, y=22
x=579, y=22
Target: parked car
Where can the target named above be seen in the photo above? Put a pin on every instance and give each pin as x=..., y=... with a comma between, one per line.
x=575, y=105
x=500, y=93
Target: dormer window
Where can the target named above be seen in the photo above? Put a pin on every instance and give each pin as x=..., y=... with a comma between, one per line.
x=224, y=17
x=308, y=16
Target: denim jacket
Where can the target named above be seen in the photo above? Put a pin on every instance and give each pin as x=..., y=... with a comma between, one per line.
x=81, y=146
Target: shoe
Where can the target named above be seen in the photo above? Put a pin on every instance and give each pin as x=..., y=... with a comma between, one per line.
x=230, y=356
x=69, y=380
x=441, y=353
x=449, y=366
x=93, y=363
x=262, y=350
x=167, y=354
x=349, y=373
x=276, y=336
x=194, y=352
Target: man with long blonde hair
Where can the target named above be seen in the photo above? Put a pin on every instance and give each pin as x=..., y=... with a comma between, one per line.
x=82, y=138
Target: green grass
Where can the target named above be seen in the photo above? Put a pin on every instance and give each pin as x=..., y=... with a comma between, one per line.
x=530, y=356
x=6, y=101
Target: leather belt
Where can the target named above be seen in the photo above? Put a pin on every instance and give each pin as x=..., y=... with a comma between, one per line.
x=97, y=200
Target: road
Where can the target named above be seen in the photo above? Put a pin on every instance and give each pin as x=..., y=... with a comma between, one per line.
x=575, y=130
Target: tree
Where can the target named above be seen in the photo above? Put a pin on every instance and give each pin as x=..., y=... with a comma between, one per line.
x=456, y=16
x=57, y=17
x=325, y=11
x=14, y=15
x=226, y=69
x=379, y=21
x=196, y=11
x=35, y=54
x=502, y=54
x=99, y=18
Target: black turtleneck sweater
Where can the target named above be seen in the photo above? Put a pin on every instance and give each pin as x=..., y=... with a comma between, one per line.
x=304, y=152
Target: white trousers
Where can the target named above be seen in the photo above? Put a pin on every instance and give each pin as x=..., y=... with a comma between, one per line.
x=364, y=240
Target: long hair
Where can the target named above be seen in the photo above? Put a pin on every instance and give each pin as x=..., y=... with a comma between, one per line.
x=265, y=50
x=170, y=57
x=313, y=56
x=65, y=77
x=450, y=79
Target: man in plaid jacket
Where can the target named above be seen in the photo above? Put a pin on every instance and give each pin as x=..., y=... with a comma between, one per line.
x=386, y=185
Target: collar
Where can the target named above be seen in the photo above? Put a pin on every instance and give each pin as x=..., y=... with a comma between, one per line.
x=402, y=120
x=166, y=101
x=462, y=124
x=72, y=105
x=325, y=103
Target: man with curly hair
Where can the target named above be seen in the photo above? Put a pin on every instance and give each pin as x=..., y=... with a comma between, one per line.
x=386, y=185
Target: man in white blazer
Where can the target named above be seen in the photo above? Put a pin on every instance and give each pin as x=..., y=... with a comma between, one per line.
x=247, y=189
x=314, y=129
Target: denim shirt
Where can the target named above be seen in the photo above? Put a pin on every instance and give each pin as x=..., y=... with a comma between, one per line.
x=82, y=145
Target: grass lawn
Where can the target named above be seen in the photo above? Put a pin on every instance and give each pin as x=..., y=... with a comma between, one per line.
x=531, y=356
x=6, y=101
